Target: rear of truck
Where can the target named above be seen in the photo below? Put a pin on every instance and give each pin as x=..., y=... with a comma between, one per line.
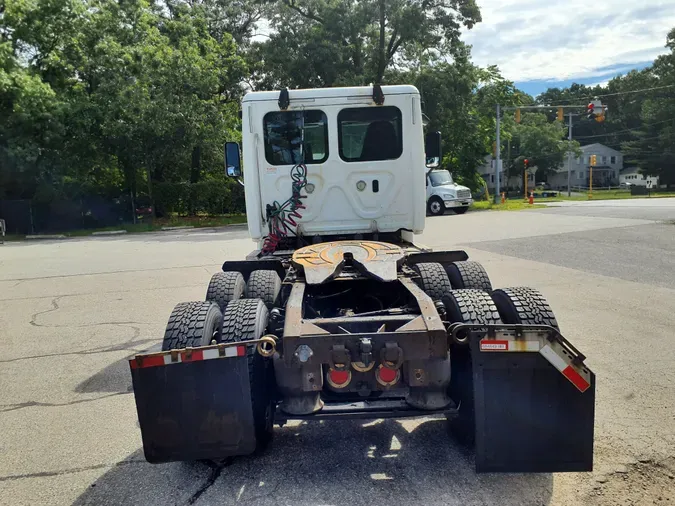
x=338, y=314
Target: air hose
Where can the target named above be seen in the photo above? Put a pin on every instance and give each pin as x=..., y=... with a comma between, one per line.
x=282, y=217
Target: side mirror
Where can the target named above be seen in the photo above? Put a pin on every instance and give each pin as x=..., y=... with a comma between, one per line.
x=232, y=159
x=432, y=148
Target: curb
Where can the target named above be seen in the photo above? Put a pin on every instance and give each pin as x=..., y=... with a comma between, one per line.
x=49, y=236
x=109, y=232
x=185, y=227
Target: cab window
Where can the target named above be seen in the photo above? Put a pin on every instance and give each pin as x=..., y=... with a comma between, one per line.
x=440, y=177
x=370, y=133
x=293, y=137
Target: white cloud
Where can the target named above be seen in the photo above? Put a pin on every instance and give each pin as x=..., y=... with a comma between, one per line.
x=564, y=39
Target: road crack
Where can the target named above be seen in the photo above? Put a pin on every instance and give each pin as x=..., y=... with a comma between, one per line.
x=46, y=474
x=216, y=470
x=6, y=408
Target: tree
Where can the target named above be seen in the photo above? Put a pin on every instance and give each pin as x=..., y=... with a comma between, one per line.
x=328, y=43
x=540, y=141
x=139, y=94
x=654, y=148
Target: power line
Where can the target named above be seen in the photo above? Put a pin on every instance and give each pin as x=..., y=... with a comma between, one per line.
x=636, y=91
x=619, y=93
x=626, y=130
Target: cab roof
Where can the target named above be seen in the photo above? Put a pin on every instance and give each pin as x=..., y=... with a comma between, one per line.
x=352, y=91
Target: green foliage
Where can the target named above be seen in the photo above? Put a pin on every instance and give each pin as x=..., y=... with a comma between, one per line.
x=212, y=197
x=112, y=97
x=319, y=43
x=653, y=147
x=540, y=141
x=107, y=100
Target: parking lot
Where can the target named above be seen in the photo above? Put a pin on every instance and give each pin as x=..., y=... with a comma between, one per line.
x=72, y=312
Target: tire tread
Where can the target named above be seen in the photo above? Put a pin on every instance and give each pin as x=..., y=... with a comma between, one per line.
x=524, y=305
x=225, y=287
x=245, y=320
x=468, y=274
x=186, y=325
x=434, y=279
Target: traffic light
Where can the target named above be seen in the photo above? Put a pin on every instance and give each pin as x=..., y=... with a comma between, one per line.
x=594, y=160
x=590, y=111
x=601, y=116
x=525, y=162
x=560, y=114
x=517, y=115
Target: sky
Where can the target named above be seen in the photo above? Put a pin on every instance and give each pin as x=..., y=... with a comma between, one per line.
x=541, y=44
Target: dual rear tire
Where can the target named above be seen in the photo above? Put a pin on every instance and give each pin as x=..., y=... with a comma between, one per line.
x=438, y=279
x=194, y=324
x=226, y=287
x=521, y=305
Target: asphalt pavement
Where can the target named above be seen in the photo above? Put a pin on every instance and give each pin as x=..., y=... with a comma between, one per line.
x=72, y=313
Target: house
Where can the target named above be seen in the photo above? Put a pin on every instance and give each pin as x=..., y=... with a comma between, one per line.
x=608, y=165
x=632, y=176
x=488, y=173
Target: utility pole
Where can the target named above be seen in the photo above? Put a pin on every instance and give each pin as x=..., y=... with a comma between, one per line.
x=525, y=174
x=569, y=160
x=497, y=160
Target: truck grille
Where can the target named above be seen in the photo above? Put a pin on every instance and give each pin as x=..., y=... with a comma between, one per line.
x=463, y=194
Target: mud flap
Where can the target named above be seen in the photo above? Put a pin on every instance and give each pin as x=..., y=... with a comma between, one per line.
x=530, y=417
x=193, y=410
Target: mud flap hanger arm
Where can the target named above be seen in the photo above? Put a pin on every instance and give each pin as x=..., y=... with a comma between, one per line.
x=459, y=334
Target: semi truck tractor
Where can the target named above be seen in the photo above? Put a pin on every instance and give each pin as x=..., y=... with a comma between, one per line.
x=338, y=314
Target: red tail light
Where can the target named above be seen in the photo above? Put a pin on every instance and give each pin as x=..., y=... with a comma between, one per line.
x=339, y=379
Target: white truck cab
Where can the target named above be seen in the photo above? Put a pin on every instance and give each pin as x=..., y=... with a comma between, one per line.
x=443, y=193
x=357, y=153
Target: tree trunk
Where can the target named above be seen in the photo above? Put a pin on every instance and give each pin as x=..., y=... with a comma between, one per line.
x=195, y=172
x=381, y=57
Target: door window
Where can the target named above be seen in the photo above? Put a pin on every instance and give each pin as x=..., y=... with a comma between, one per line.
x=368, y=134
x=293, y=137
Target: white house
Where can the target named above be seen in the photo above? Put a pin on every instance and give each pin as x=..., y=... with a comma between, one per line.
x=488, y=173
x=632, y=176
x=608, y=165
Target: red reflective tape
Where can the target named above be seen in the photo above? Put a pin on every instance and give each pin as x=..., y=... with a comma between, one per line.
x=241, y=351
x=195, y=356
x=577, y=379
x=148, y=361
x=494, y=345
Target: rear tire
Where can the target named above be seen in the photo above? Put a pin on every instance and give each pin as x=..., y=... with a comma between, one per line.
x=225, y=287
x=246, y=320
x=435, y=206
x=264, y=285
x=524, y=305
x=192, y=324
x=433, y=279
x=475, y=307
x=469, y=275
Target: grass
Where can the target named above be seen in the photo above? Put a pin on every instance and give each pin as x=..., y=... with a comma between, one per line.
x=605, y=195
x=154, y=225
x=517, y=204
x=509, y=205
